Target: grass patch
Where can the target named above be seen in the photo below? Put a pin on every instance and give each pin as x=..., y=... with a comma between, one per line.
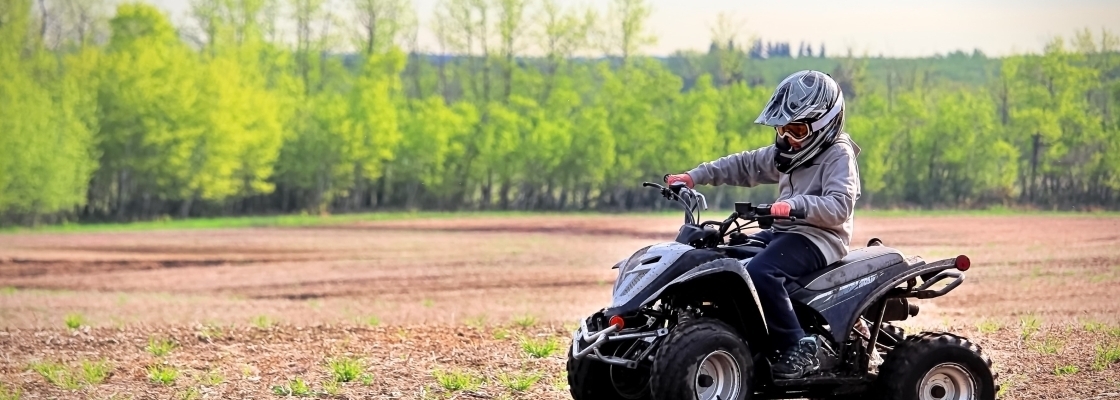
x=1065, y=370
x=1106, y=356
x=210, y=332
x=366, y=379
x=95, y=372
x=525, y=321
x=162, y=374
x=373, y=321
x=6, y=290
x=211, y=378
x=1094, y=326
x=57, y=374
x=160, y=347
x=539, y=348
x=1049, y=345
x=1029, y=325
x=74, y=320
x=263, y=322
x=988, y=326
x=190, y=393
x=345, y=369
x=454, y=381
x=295, y=387
x=428, y=303
x=477, y=322
x=331, y=388
x=519, y=382
x=500, y=334
x=9, y=394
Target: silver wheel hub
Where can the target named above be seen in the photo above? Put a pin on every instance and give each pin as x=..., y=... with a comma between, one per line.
x=718, y=377
x=948, y=381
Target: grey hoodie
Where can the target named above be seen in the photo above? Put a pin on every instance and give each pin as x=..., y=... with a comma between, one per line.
x=826, y=187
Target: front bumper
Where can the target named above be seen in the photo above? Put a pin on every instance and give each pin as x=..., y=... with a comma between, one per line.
x=587, y=344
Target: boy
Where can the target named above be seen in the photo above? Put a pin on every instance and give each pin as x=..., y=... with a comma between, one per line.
x=814, y=164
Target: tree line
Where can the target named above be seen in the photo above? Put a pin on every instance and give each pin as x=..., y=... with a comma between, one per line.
x=280, y=106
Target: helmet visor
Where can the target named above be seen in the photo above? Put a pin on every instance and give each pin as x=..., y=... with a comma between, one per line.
x=796, y=132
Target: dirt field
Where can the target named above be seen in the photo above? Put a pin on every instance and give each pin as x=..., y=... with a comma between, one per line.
x=410, y=300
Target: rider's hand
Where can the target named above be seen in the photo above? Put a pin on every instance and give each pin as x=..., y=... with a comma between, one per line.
x=687, y=179
x=780, y=209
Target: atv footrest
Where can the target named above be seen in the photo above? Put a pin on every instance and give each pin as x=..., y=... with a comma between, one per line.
x=820, y=380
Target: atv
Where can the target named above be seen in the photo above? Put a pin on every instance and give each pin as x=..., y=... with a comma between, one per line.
x=685, y=322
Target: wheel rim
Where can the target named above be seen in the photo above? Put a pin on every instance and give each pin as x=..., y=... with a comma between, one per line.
x=947, y=381
x=718, y=377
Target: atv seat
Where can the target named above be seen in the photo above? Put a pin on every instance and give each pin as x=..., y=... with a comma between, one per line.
x=856, y=264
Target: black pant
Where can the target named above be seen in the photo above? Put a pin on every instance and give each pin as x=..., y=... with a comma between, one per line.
x=787, y=256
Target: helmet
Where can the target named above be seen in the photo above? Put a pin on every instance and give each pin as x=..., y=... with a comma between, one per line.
x=811, y=98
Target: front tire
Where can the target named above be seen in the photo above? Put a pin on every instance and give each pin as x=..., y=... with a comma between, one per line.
x=703, y=359
x=936, y=366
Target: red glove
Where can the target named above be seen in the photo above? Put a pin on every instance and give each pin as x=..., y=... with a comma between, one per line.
x=780, y=209
x=686, y=178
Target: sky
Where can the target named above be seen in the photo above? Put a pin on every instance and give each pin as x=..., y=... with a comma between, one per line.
x=892, y=28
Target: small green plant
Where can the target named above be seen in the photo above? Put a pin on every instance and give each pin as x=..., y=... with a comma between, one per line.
x=163, y=374
x=1106, y=356
x=1093, y=326
x=191, y=393
x=560, y=382
x=331, y=388
x=74, y=320
x=95, y=372
x=160, y=347
x=373, y=321
x=9, y=394
x=57, y=374
x=345, y=369
x=295, y=387
x=262, y=322
x=525, y=321
x=366, y=379
x=988, y=326
x=7, y=290
x=1049, y=345
x=210, y=332
x=211, y=378
x=456, y=380
x=476, y=322
x=428, y=303
x=539, y=348
x=1065, y=370
x=519, y=382
x=501, y=334
x=1028, y=325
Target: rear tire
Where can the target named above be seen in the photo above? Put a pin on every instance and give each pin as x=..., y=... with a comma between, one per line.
x=592, y=379
x=936, y=366
x=702, y=359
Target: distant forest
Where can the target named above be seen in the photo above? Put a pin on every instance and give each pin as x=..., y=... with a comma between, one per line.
x=117, y=114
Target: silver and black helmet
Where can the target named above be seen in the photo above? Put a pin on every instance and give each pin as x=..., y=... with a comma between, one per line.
x=805, y=97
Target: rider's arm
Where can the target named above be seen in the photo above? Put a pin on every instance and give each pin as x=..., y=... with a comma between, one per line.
x=749, y=168
x=839, y=190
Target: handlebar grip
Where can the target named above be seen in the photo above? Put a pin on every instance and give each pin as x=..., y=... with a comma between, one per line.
x=799, y=214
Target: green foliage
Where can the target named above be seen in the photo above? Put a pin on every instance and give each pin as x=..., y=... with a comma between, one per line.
x=263, y=322
x=1065, y=370
x=296, y=387
x=211, y=378
x=525, y=321
x=57, y=374
x=988, y=326
x=539, y=348
x=9, y=394
x=1106, y=356
x=1028, y=325
x=160, y=347
x=163, y=374
x=345, y=369
x=366, y=379
x=74, y=320
x=331, y=388
x=454, y=381
x=1049, y=345
x=241, y=120
x=519, y=382
x=95, y=372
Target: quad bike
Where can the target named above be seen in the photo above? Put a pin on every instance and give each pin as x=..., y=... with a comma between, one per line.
x=685, y=323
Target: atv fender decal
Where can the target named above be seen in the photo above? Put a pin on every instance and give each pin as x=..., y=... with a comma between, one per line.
x=843, y=290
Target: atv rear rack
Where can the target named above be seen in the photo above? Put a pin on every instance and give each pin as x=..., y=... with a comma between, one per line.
x=597, y=339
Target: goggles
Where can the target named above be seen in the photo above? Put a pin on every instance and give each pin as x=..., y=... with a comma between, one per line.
x=796, y=132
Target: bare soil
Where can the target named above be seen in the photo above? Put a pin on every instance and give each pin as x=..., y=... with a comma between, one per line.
x=439, y=289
